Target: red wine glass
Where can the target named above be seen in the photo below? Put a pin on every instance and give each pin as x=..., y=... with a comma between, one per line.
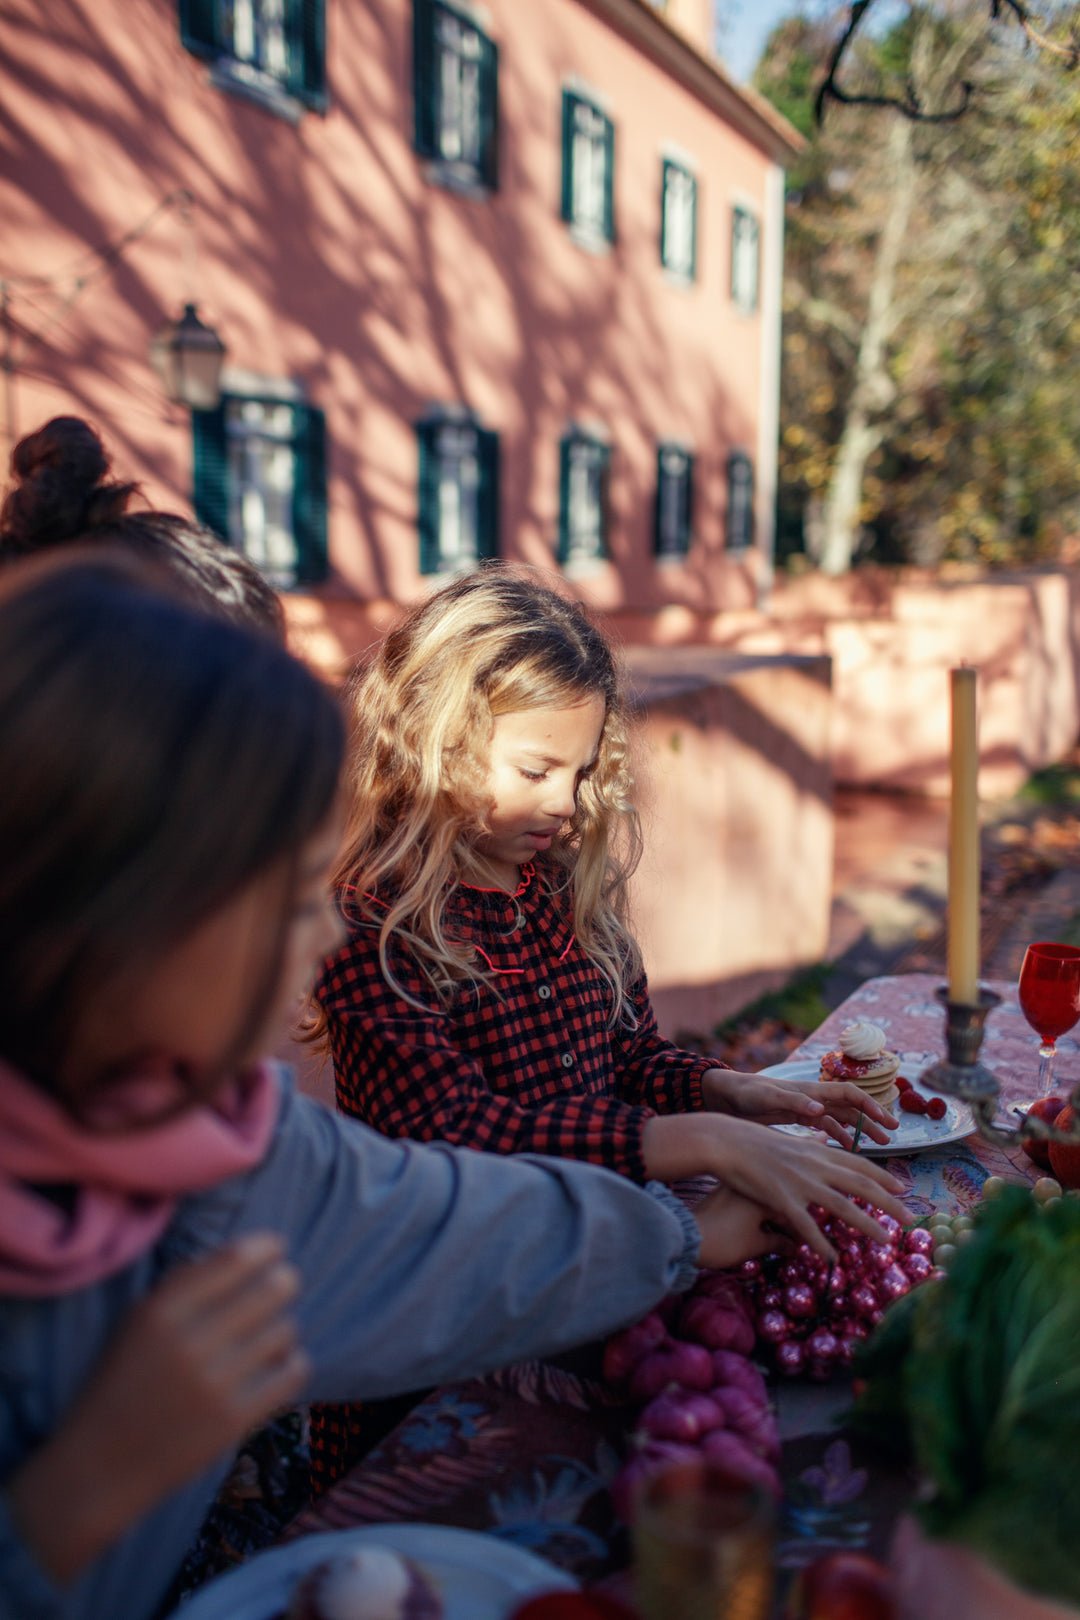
x=1050, y=1000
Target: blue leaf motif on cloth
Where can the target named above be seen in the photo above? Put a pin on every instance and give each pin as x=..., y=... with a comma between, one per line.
x=441, y=1428
x=541, y=1513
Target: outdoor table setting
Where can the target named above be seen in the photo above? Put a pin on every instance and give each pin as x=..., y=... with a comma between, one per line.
x=528, y=1455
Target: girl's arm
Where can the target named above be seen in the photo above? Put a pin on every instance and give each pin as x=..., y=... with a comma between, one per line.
x=784, y=1174
x=660, y=1075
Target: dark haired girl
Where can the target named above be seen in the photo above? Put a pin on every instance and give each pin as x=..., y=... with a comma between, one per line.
x=186, y=1244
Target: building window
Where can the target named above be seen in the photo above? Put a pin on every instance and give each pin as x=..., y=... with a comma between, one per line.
x=260, y=483
x=272, y=50
x=583, y=498
x=678, y=221
x=588, y=170
x=455, y=91
x=458, y=494
x=740, y=501
x=674, y=500
x=744, y=259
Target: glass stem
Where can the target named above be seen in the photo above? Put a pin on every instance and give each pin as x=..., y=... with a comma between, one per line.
x=1047, y=1053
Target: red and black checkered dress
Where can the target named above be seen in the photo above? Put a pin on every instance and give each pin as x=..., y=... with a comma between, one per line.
x=531, y=1066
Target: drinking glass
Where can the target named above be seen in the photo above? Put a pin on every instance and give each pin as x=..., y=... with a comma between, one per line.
x=1050, y=1000
x=702, y=1546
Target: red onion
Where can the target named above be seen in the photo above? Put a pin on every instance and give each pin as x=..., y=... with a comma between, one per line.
x=890, y=1225
x=918, y=1266
x=624, y=1350
x=682, y=1415
x=774, y=1325
x=894, y=1282
x=919, y=1241
x=864, y=1300
x=687, y=1365
x=733, y=1455
x=713, y=1323
x=750, y=1419
x=790, y=1357
x=822, y=1345
x=800, y=1300
x=733, y=1371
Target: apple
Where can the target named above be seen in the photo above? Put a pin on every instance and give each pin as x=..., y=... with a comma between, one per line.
x=1065, y=1157
x=843, y=1586
x=1046, y=1109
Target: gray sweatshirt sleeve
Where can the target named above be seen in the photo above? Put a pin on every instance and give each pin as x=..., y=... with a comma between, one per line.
x=420, y=1265
x=423, y=1264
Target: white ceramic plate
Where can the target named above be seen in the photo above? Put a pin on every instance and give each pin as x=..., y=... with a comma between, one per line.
x=914, y=1132
x=479, y=1577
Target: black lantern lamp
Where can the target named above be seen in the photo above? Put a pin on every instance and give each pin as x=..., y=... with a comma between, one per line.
x=187, y=355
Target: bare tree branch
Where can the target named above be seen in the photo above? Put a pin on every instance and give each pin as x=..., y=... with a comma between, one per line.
x=910, y=104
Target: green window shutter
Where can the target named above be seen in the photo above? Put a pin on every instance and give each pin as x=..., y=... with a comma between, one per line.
x=198, y=27
x=305, y=25
x=567, y=204
x=427, y=520
x=309, y=495
x=489, y=112
x=673, y=516
x=694, y=231
x=609, y=180
x=424, y=77
x=210, y=492
x=564, y=500
x=487, y=444
x=740, y=502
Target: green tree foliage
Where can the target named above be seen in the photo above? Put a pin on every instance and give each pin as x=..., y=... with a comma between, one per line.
x=967, y=395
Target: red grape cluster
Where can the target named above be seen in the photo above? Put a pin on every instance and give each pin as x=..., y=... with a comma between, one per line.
x=809, y=1315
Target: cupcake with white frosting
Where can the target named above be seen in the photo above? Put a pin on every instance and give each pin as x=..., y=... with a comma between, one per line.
x=863, y=1058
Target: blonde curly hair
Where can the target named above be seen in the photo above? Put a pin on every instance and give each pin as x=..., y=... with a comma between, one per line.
x=423, y=708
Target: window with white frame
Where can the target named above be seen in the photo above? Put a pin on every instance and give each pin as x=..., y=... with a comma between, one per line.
x=583, y=498
x=740, y=501
x=678, y=221
x=674, y=500
x=458, y=493
x=745, y=238
x=274, y=50
x=455, y=89
x=260, y=482
x=588, y=169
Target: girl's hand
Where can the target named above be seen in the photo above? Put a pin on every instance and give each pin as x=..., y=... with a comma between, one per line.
x=202, y=1360
x=733, y=1229
x=784, y=1174
x=827, y=1105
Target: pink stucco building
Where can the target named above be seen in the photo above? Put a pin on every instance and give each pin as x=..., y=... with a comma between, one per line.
x=493, y=278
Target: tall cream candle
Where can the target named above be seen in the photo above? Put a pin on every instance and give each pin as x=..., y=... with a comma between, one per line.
x=964, y=843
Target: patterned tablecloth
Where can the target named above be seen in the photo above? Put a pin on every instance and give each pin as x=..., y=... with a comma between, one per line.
x=527, y=1453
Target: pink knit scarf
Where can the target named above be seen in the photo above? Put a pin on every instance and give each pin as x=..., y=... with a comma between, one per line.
x=124, y=1184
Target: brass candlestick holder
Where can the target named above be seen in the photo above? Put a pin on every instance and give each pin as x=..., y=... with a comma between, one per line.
x=962, y=1076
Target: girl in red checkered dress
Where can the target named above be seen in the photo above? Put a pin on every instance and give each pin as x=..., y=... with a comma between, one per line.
x=491, y=993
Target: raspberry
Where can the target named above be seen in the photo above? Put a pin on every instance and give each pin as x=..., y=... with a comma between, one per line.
x=912, y=1103
x=902, y=1084
x=935, y=1108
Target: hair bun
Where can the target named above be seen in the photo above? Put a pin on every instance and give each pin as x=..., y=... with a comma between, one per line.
x=61, y=491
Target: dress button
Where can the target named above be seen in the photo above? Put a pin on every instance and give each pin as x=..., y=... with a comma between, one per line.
x=544, y=992
x=567, y=1060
